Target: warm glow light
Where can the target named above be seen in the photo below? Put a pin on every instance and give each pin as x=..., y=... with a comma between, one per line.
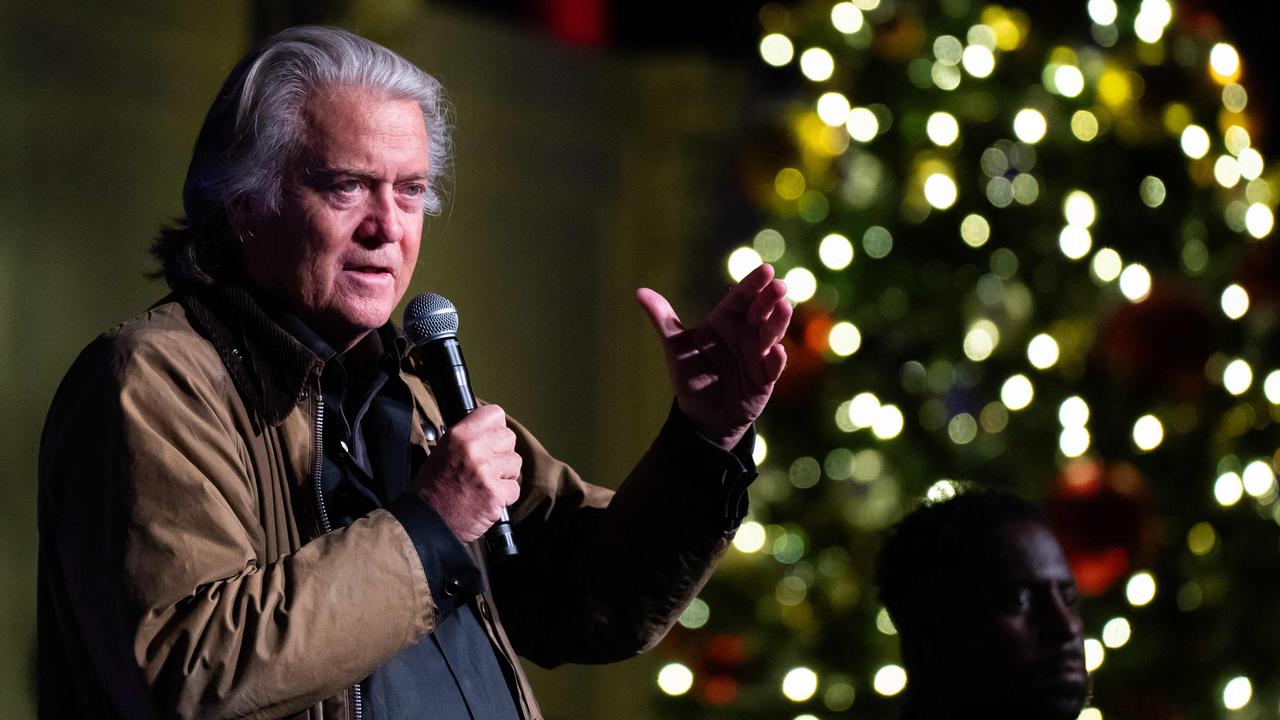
x=1195, y=141
x=750, y=537
x=974, y=230
x=742, y=261
x=835, y=251
x=888, y=423
x=1075, y=241
x=940, y=491
x=1224, y=61
x=1237, y=376
x=1093, y=654
x=1029, y=125
x=1103, y=12
x=833, y=109
x=1250, y=163
x=1116, y=632
x=940, y=191
x=862, y=124
x=844, y=339
x=800, y=684
x=760, y=450
x=1074, y=441
x=942, y=128
x=675, y=679
x=777, y=49
x=890, y=680
x=1106, y=265
x=1226, y=171
x=1148, y=433
x=1084, y=125
x=1235, y=301
x=1079, y=208
x=1153, y=17
x=1090, y=714
x=1228, y=489
x=1259, y=479
x=1141, y=589
x=1042, y=351
x=1271, y=387
x=981, y=340
x=1135, y=282
x=863, y=409
x=1258, y=220
x=1016, y=392
x=801, y=284
x=978, y=61
x=1069, y=80
x=1237, y=693
x=846, y=17
x=817, y=64
x=1073, y=412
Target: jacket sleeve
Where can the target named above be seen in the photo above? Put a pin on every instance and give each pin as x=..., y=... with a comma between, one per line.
x=603, y=576
x=171, y=564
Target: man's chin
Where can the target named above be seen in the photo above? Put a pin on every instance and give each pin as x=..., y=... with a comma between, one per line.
x=1062, y=699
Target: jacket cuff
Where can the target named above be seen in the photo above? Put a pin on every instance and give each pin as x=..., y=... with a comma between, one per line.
x=710, y=472
x=451, y=575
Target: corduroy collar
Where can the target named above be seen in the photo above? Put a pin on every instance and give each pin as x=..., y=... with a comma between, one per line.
x=271, y=369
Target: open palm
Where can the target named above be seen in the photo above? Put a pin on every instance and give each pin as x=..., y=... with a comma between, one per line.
x=723, y=371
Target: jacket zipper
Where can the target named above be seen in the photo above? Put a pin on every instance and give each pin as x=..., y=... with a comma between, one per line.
x=322, y=514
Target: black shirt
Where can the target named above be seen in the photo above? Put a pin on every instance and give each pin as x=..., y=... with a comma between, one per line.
x=453, y=673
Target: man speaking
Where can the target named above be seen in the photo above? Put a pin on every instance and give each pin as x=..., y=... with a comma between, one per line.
x=249, y=502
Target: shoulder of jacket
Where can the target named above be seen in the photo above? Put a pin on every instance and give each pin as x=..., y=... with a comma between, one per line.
x=163, y=336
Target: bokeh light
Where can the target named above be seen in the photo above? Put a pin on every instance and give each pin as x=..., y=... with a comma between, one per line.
x=1029, y=126
x=675, y=679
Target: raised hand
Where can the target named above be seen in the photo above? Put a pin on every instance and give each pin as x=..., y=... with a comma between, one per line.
x=473, y=473
x=723, y=371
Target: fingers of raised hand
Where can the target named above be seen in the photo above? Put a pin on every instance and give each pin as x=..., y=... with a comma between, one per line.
x=660, y=313
x=767, y=302
x=740, y=297
x=774, y=326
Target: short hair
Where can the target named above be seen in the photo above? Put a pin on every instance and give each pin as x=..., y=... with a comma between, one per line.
x=941, y=541
x=255, y=126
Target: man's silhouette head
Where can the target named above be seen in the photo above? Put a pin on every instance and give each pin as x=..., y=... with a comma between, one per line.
x=985, y=606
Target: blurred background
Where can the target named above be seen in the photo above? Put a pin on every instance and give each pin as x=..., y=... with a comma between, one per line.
x=1031, y=246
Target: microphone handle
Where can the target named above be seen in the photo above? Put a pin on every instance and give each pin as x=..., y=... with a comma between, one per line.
x=452, y=388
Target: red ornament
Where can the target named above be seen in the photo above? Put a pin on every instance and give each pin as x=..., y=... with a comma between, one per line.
x=1101, y=516
x=1160, y=345
x=805, y=343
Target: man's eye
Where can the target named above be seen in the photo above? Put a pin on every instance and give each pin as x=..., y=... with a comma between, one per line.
x=1070, y=596
x=414, y=190
x=1018, y=599
x=345, y=187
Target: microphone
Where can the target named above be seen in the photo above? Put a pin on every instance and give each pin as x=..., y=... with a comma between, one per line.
x=431, y=324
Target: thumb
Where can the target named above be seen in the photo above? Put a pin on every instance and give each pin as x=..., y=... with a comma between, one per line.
x=663, y=318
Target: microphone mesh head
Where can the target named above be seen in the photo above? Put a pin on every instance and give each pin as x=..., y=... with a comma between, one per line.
x=430, y=317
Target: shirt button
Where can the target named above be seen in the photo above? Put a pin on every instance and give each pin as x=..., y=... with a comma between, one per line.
x=452, y=586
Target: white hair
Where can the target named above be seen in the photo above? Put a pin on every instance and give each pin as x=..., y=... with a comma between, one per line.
x=255, y=127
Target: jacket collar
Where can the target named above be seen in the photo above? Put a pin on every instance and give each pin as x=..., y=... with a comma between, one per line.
x=271, y=368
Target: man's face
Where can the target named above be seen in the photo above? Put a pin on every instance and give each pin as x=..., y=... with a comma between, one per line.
x=343, y=248
x=1020, y=653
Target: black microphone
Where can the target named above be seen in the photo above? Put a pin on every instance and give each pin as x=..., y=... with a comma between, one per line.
x=431, y=323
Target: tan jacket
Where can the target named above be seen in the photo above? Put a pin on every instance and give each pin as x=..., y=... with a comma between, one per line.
x=183, y=574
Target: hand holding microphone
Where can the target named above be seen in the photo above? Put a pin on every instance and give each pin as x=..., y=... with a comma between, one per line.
x=474, y=472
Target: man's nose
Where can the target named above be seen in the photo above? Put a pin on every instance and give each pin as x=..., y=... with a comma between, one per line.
x=382, y=221
x=1060, y=618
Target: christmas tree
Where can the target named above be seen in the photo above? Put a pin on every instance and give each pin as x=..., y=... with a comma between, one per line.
x=1030, y=248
